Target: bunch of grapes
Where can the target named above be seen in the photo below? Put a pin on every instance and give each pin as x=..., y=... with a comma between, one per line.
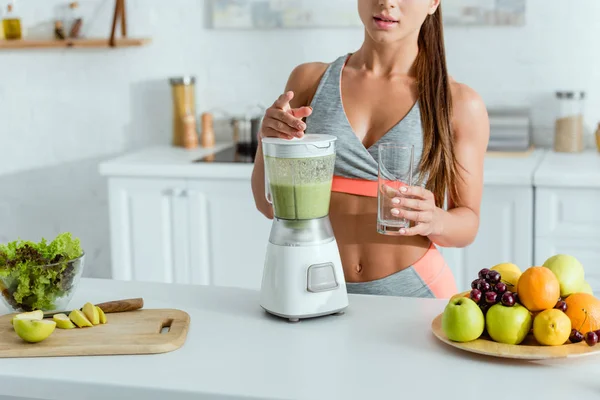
x=488, y=289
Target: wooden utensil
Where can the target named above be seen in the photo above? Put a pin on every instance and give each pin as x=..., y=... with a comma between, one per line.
x=135, y=332
x=528, y=350
x=109, y=307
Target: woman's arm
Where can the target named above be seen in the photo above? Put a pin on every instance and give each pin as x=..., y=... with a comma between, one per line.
x=458, y=226
x=471, y=128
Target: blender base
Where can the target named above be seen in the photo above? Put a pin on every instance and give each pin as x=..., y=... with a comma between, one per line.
x=303, y=282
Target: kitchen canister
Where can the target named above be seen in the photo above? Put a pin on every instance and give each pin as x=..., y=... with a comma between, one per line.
x=568, y=127
x=184, y=110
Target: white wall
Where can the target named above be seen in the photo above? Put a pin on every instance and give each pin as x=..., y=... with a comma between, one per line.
x=78, y=106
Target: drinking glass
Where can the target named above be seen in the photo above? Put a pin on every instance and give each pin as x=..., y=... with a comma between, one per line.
x=395, y=163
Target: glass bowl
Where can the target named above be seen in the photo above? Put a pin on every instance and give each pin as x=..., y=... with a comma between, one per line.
x=42, y=287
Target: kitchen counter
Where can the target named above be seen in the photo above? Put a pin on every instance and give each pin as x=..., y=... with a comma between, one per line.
x=170, y=162
x=581, y=170
x=381, y=348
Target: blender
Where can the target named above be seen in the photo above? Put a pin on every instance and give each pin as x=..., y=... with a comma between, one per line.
x=302, y=275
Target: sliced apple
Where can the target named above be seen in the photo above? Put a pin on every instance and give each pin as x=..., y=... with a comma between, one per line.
x=34, y=330
x=101, y=315
x=91, y=313
x=79, y=319
x=63, y=322
x=37, y=314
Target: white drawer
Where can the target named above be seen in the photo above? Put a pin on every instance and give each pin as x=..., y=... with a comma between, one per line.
x=587, y=251
x=567, y=212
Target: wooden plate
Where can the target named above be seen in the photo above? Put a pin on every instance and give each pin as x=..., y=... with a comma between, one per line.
x=528, y=350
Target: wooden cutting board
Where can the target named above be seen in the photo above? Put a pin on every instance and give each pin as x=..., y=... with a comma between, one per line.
x=132, y=332
x=528, y=350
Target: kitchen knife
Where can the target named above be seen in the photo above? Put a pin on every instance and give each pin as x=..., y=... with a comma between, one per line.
x=109, y=307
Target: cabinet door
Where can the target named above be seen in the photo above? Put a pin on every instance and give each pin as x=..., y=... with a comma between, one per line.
x=149, y=238
x=505, y=234
x=227, y=233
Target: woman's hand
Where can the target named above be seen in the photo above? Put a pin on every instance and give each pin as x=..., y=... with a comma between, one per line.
x=283, y=121
x=418, y=205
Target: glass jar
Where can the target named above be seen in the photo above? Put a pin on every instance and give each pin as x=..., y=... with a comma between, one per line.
x=184, y=105
x=568, y=127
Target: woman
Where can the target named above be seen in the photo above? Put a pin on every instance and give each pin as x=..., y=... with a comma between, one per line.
x=395, y=88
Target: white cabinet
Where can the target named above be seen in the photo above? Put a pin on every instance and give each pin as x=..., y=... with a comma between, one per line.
x=186, y=231
x=505, y=234
x=567, y=221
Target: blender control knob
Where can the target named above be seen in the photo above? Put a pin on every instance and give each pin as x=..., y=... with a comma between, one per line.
x=321, y=278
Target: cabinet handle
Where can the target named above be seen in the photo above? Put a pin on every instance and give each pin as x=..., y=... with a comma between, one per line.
x=175, y=192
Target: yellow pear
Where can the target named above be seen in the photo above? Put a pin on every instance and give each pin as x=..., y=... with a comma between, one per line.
x=79, y=319
x=37, y=314
x=586, y=288
x=63, y=322
x=34, y=330
x=91, y=313
x=101, y=315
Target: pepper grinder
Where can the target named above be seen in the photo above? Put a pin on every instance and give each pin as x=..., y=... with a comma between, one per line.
x=207, y=137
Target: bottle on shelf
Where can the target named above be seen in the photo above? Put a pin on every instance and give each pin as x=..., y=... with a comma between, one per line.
x=207, y=137
x=11, y=23
x=598, y=137
x=75, y=20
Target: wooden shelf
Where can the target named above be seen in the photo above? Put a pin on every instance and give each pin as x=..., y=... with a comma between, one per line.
x=70, y=43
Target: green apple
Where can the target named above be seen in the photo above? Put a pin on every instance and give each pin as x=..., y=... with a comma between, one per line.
x=586, y=288
x=33, y=330
x=569, y=272
x=508, y=325
x=37, y=314
x=462, y=320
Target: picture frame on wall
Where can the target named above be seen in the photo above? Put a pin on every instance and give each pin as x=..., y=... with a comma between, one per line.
x=298, y=14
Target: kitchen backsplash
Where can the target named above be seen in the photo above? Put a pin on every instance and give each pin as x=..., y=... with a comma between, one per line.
x=71, y=106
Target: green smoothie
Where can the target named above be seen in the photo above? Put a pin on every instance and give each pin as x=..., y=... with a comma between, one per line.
x=301, y=201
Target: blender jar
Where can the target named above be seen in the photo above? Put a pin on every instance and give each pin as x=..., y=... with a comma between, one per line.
x=298, y=175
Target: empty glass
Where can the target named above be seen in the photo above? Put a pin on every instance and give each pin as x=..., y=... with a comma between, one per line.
x=395, y=170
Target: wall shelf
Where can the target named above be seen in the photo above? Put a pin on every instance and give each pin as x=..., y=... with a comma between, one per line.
x=71, y=43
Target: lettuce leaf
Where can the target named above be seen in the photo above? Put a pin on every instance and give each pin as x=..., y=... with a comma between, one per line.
x=33, y=275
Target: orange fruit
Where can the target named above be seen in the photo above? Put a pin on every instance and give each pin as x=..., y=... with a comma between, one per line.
x=538, y=289
x=584, y=311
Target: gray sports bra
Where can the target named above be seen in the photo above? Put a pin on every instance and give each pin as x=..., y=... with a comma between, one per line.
x=356, y=167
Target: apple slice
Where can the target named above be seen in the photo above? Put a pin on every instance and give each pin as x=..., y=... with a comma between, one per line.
x=34, y=330
x=91, y=313
x=37, y=314
x=63, y=322
x=79, y=319
x=101, y=315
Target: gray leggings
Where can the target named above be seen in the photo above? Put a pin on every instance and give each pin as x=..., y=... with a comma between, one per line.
x=405, y=283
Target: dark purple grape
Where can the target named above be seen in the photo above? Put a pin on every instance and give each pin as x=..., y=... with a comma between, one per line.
x=597, y=333
x=575, y=336
x=474, y=284
x=508, y=299
x=561, y=305
x=591, y=338
x=475, y=295
x=491, y=297
x=483, y=273
x=493, y=276
x=516, y=296
x=500, y=287
x=483, y=285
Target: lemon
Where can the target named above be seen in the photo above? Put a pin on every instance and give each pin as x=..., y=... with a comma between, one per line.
x=33, y=330
x=551, y=327
x=510, y=274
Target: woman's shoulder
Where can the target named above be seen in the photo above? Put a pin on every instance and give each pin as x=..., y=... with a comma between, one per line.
x=468, y=107
x=304, y=81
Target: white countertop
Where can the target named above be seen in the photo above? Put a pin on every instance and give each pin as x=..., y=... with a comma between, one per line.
x=382, y=348
x=171, y=162
x=580, y=170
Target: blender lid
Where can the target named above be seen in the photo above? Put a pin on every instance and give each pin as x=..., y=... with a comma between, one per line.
x=310, y=145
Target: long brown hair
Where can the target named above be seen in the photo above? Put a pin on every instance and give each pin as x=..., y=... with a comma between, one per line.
x=438, y=162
